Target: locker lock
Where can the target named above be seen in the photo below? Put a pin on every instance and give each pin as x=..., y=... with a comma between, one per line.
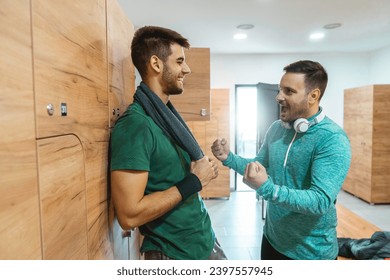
x=50, y=109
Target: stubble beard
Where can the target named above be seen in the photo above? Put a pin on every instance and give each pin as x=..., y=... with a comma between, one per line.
x=171, y=86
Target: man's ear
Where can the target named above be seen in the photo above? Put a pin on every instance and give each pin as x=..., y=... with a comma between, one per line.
x=314, y=96
x=155, y=63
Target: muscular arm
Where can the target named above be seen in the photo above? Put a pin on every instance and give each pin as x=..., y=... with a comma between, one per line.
x=132, y=207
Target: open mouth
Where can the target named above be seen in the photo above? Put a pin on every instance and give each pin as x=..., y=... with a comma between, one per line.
x=283, y=109
x=181, y=81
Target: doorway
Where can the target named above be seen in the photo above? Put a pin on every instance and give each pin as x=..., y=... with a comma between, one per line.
x=256, y=109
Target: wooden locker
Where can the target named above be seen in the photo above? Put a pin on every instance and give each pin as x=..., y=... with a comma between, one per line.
x=70, y=68
x=70, y=73
x=19, y=202
x=367, y=124
x=206, y=132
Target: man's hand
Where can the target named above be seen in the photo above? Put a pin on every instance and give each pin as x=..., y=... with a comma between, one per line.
x=220, y=149
x=255, y=175
x=205, y=169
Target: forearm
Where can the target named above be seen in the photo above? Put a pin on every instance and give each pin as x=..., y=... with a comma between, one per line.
x=148, y=208
x=236, y=163
x=310, y=202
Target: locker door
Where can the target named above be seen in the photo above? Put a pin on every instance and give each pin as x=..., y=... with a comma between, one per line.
x=63, y=198
x=70, y=68
x=70, y=74
x=19, y=204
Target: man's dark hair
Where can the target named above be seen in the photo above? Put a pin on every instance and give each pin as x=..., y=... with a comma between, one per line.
x=153, y=40
x=315, y=74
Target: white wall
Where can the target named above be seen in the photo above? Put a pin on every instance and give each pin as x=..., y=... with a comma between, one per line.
x=380, y=66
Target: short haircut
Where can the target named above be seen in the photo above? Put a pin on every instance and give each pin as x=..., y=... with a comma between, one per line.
x=153, y=40
x=315, y=74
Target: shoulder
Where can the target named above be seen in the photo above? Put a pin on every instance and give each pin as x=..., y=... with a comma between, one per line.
x=134, y=118
x=330, y=133
x=328, y=126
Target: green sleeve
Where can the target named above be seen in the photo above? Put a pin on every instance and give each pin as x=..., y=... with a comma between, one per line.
x=127, y=151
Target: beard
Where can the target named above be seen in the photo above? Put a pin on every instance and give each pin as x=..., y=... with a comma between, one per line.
x=170, y=82
x=290, y=114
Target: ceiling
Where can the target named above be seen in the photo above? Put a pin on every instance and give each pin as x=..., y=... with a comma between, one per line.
x=280, y=26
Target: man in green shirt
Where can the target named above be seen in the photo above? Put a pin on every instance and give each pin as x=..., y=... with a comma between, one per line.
x=157, y=167
x=299, y=169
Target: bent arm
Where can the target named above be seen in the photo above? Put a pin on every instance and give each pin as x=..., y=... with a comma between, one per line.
x=133, y=208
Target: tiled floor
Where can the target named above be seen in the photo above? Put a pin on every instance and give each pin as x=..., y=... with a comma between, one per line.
x=238, y=221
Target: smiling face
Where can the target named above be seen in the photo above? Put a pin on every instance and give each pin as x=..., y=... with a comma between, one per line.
x=174, y=70
x=292, y=97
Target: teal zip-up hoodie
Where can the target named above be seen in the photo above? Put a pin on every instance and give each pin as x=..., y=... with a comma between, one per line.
x=305, y=173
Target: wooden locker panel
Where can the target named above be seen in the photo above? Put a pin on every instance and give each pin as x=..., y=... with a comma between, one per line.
x=121, y=72
x=358, y=123
x=220, y=186
x=99, y=246
x=70, y=67
x=380, y=190
x=367, y=122
x=19, y=202
x=199, y=132
x=63, y=198
x=219, y=127
x=206, y=132
x=196, y=95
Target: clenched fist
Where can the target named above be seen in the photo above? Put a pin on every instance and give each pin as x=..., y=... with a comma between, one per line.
x=205, y=169
x=255, y=175
x=220, y=149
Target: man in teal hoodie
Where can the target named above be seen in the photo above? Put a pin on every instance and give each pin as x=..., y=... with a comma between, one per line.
x=299, y=169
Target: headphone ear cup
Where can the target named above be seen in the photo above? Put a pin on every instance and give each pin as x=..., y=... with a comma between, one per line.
x=301, y=125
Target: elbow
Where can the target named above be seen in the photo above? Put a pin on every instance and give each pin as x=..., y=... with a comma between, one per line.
x=128, y=223
x=323, y=206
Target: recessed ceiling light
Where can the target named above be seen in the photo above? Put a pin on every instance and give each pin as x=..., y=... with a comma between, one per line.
x=240, y=36
x=317, y=36
x=245, y=26
x=332, y=25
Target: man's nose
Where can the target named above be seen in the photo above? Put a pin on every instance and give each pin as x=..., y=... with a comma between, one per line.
x=279, y=97
x=186, y=69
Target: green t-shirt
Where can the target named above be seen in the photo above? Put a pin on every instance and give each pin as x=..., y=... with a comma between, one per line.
x=137, y=143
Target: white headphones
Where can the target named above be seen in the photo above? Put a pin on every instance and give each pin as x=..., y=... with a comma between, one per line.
x=301, y=125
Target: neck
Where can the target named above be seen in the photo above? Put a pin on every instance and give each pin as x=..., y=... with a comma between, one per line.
x=155, y=86
x=313, y=110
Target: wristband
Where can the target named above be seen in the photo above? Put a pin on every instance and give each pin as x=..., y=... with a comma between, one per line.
x=189, y=185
